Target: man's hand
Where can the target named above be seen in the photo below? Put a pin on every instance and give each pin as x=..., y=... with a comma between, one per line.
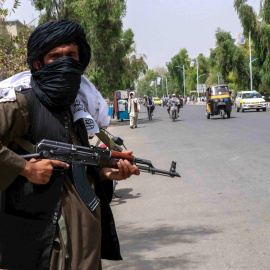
x=124, y=171
x=40, y=171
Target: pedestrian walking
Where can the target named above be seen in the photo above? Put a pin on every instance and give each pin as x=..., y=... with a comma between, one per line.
x=133, y=110
x=148, y=102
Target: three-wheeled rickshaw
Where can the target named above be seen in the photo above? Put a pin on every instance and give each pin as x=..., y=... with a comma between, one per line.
x=218, y=99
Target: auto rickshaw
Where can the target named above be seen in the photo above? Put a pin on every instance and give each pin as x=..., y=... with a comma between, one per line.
x=218, y=101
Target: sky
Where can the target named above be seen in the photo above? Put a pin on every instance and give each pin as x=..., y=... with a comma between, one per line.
x=163, y=27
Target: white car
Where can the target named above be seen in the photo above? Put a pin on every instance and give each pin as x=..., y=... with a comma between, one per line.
x=249, y=100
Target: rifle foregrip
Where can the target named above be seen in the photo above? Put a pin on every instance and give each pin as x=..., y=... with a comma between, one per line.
x=108, y=163
x=120, y=155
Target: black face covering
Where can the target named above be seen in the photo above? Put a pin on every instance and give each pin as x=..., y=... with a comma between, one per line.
x=57, y=84
x=50, y=35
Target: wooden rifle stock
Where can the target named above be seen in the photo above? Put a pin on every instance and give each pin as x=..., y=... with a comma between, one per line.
x=120, y=155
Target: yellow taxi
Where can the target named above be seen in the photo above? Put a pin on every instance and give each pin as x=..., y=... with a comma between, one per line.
x=157, y=101
x=249, y=100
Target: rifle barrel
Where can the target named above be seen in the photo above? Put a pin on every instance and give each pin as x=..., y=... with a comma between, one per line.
x=158, y=171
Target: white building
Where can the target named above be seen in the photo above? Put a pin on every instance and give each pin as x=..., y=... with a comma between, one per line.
x=13, y=26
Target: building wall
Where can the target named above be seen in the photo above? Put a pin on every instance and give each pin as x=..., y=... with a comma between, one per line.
x=13, y=27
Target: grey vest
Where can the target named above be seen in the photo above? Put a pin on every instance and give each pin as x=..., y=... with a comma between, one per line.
x=30, y=212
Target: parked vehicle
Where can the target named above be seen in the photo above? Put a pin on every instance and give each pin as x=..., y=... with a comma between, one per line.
x=218, y=101
x=250, y=100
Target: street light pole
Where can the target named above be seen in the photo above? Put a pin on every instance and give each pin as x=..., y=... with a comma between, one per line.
x=197, y=76
x=250, y=63
x=166, y=84
x=218, y=76
x=184, y=79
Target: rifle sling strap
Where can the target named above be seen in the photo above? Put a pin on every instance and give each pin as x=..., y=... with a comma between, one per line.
x=106, y=139
x=26, y=145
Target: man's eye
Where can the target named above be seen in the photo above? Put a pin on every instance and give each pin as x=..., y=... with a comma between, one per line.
x=56, y=55
x=72, y=54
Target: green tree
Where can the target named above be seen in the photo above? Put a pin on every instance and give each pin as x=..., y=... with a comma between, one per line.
x=176, y=72
x=176, y=84
x=260, y=35
x=4, y=11
x=56, y=10
x=144, y=88
x=114, y=64
x=229, y=58
x=13, y=51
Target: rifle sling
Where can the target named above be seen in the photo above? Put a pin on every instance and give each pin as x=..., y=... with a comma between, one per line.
x=106, y=139
x=26, y=145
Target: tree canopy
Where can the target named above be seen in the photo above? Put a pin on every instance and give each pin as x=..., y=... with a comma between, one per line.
x=258, y=25
x=114, y=64
x=13, y=51
x=230, y=60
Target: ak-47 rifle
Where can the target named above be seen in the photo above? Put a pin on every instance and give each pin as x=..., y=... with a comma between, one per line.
x=95, y=156
x=79, y=156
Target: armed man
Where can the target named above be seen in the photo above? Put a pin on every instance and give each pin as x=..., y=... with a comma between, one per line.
x=44, y=221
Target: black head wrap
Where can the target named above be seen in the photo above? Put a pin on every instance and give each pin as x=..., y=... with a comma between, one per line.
x=51, y=34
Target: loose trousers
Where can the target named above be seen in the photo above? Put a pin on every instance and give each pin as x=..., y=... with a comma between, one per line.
x=134, y=120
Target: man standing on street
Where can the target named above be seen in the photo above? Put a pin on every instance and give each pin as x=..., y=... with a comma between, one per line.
x=133, y=110
x=45, y=223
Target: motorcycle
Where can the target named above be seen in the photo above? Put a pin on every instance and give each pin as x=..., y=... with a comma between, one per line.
x=174, y=110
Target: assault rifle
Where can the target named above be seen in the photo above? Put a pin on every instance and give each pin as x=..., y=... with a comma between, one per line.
x=79, y=156
x=95, y=156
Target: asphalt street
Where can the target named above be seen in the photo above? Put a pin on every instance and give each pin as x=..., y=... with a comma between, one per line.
x=217, y=215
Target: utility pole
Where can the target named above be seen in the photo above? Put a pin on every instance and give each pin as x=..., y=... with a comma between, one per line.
x=197, y=76
x=166, y=84
x=184, y=80
x=250, y=63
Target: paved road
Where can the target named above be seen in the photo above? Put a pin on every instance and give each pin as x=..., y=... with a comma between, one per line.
x=217, y=215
